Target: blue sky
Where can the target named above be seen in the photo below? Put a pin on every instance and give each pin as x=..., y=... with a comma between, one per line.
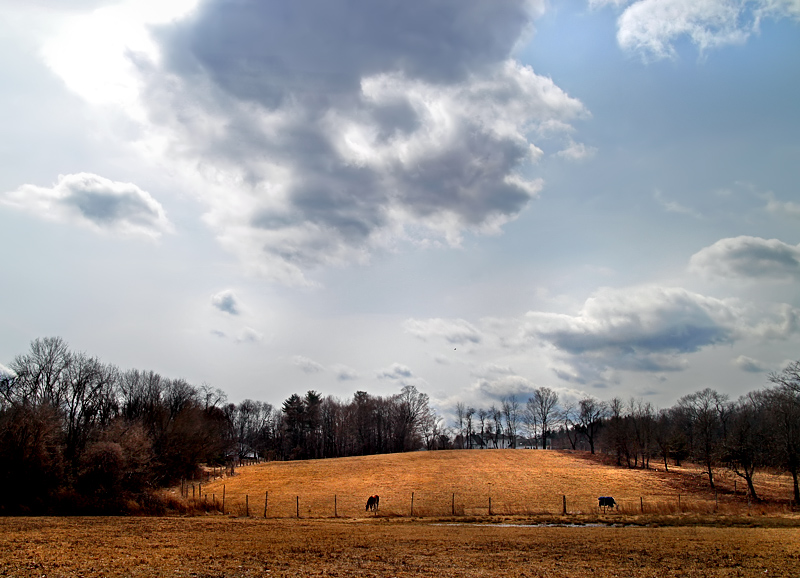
x=600, y=197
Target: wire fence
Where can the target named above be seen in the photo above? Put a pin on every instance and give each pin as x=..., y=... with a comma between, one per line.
x=272, y=504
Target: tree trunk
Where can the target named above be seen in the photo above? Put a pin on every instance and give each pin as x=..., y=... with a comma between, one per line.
x=796, y=486
x=710, y=475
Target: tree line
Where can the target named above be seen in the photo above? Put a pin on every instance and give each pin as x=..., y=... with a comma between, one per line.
x=759, y=431
x=80, y=435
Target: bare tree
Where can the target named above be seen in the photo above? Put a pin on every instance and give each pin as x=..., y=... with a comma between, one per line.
x=591, y=417
x=511, y=414
x=707, y=412
x=470, y=411
x=570, y=418
x=461, y=414
x=544, y=406
x=744, y=449
x=496, y=417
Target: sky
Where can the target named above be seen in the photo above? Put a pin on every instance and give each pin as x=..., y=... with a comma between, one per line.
x=476, y=198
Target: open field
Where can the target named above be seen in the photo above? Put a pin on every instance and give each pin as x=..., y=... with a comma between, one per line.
x=469, y=482
x=217, y=546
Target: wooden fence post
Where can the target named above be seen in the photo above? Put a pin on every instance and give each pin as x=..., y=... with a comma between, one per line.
x=453, y=509
x=297, y=506
x=564, y=505
x=266, y=500
x=335, y=509
x=641, y=504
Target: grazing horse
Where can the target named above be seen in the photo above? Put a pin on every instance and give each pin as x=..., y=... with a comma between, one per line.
x=372, y=503
x=607, y=502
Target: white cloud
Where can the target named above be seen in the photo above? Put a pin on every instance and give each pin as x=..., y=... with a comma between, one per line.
x=783, y=208
x=94, y=202
x=225, y=301
x=5, y=372
x=748, y=258
x=749, y=364
x=645, y=328
x=344, y=373
x=396, y=371
x=454, y=331
x=674, y=207
x=249, y=335
x=307, y=365
x=577, y=151
x=651, y=27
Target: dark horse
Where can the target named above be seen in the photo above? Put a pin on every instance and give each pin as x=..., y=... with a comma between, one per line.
x=372, y=503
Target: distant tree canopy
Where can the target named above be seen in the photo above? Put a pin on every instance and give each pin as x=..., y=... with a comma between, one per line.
x=80, y=435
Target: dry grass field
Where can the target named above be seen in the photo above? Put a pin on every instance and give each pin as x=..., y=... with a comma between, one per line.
x=518, y=482
x=525, y=535
x=224, y=546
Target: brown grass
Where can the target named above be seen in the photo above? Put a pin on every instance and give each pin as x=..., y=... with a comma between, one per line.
x=217, y=546
x=462, y=483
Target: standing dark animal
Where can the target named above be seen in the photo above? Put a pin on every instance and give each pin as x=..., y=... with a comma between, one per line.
x=372, y=503
x=606, y=502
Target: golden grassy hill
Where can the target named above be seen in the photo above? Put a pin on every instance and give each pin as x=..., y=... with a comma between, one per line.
x=443, y=482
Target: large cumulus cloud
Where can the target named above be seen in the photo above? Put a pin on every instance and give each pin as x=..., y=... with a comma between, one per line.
x=327, y=129
x=95, y=202
x=652, y=329
x=642, y=329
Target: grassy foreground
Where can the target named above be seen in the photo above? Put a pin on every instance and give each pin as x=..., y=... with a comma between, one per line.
x=223, y=546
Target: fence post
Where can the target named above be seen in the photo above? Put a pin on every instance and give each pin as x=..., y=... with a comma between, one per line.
x=679, y=502
x=641, y=504
x=453, y=509
x=247, y=506
x=412, y=504
x=335, y=507
x=564, y=505
x=297, y=507
x=266, y=500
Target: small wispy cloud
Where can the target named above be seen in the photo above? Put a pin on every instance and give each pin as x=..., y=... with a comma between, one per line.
x=249, y=335
x=396, y=371
x=674, y=207
x=226, y=302
x=94, y=202
x=307, y=365
x=749, y=364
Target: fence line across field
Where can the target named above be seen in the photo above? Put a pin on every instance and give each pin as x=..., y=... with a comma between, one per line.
x=268, y=504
